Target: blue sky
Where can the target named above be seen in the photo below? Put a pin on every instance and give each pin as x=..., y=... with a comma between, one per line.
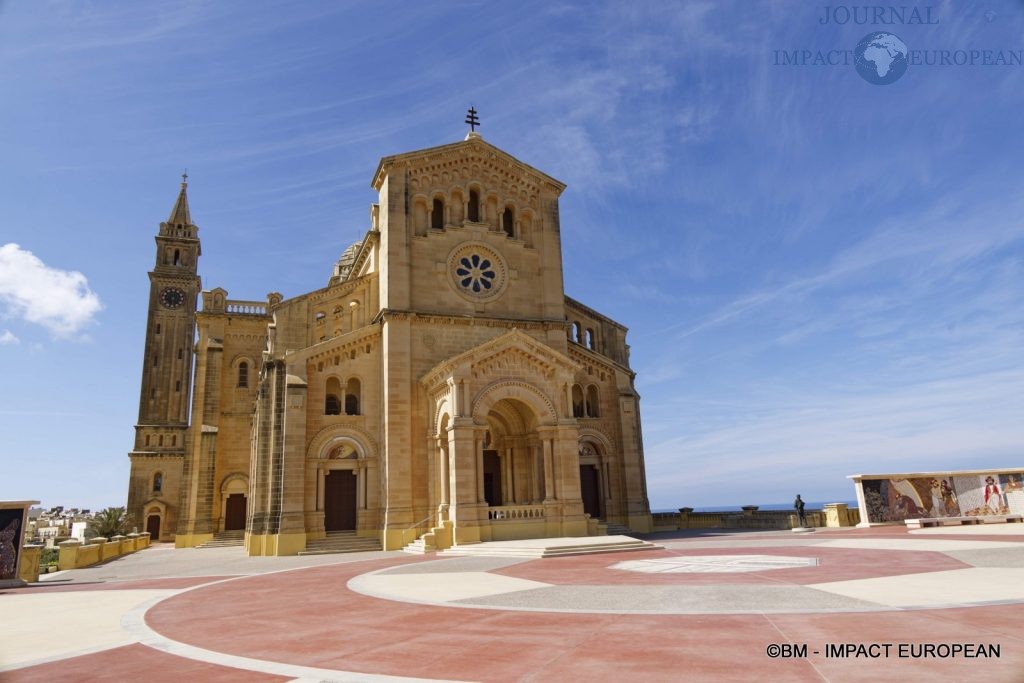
x=821, y=276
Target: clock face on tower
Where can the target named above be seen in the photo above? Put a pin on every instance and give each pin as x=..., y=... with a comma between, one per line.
x=172, y=297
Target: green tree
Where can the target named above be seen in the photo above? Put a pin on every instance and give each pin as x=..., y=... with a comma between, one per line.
x=109, y=522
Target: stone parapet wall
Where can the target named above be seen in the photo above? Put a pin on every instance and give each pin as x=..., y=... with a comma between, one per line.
x=834, y=515
x=75, y=555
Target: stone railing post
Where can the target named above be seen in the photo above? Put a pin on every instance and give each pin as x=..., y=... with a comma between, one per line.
x=837, y=515
x=67, y=557
x=29, y=570
x=684, y=517
x=100, y=541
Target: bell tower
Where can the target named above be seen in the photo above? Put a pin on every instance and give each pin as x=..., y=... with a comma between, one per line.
x=160, y=433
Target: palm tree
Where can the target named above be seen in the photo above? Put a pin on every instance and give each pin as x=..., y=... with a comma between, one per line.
x=109, y=522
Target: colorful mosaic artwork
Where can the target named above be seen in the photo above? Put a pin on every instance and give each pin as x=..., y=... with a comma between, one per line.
x=897, y=499
x=10, y=543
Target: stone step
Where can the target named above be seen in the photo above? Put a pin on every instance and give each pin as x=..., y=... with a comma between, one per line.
x=341, y=542
x=225, y=539
x=419, y=547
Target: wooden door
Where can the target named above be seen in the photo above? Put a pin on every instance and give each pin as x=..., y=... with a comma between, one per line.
x=590, y=490
x=492, y=478
x=234, y=515
x=340, y=500
x=153, y=527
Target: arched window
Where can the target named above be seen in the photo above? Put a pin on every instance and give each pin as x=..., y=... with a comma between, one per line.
x=577, y=401
x=592, y=402
x=576, y=333
x=243, y=374
x=589, y=339
x=177, y=257
x=508, y=221
x=158, y=482
x=332, y=402
x=474, y=206
x=352, y=397
x=437, y=214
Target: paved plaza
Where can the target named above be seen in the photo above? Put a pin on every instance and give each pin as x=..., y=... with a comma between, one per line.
x=836, y=605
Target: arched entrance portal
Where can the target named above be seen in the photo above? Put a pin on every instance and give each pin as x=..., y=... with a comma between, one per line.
x=591, y=487
x=513, y=469
x=234, y=490
x=342, y=484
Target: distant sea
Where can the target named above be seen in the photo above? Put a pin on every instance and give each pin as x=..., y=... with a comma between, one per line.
x=810, y=505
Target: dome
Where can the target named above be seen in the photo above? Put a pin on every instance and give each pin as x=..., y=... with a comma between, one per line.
x=348, y=257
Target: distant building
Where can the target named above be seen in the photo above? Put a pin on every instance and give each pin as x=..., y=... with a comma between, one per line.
x=442, y=380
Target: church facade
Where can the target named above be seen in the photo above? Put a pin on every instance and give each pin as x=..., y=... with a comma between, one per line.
x=441, y=386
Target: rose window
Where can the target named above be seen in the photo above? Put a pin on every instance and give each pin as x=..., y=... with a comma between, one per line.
x=476, y=273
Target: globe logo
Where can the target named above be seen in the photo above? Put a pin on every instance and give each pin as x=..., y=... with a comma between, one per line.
x=880, y=58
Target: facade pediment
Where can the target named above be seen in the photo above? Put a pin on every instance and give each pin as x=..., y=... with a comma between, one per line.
x=513, y=354
x=472, y=159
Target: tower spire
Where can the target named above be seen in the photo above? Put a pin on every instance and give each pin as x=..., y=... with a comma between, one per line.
x=180, y=214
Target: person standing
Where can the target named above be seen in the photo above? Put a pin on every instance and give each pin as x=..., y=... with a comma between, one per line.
x=798, y=505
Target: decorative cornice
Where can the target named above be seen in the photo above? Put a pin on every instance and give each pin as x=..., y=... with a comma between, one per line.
x=328, y=347
x=470, y=320
x=587, y=310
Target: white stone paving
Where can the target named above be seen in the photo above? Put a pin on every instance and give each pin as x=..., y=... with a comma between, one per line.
x=51, y=626
x=972, y=585
x=439, y=588
x=705, y=564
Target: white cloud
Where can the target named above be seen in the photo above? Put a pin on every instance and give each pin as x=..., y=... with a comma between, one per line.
x=59, y=300
x=7, y=337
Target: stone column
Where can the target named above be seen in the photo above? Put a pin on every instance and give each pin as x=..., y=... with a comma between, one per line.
x=549, y=473
x=478, y=458
x=464, y=505
x=510, y=459
x=536, y=471
x=443, y=474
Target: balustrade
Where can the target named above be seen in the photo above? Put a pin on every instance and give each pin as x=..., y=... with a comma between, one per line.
x=506, y=512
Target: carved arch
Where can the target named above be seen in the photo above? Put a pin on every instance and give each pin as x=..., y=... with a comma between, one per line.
x=599, y=437
x=529, y=394
x=327, y=437
x=443, y=407
x=233, y=477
